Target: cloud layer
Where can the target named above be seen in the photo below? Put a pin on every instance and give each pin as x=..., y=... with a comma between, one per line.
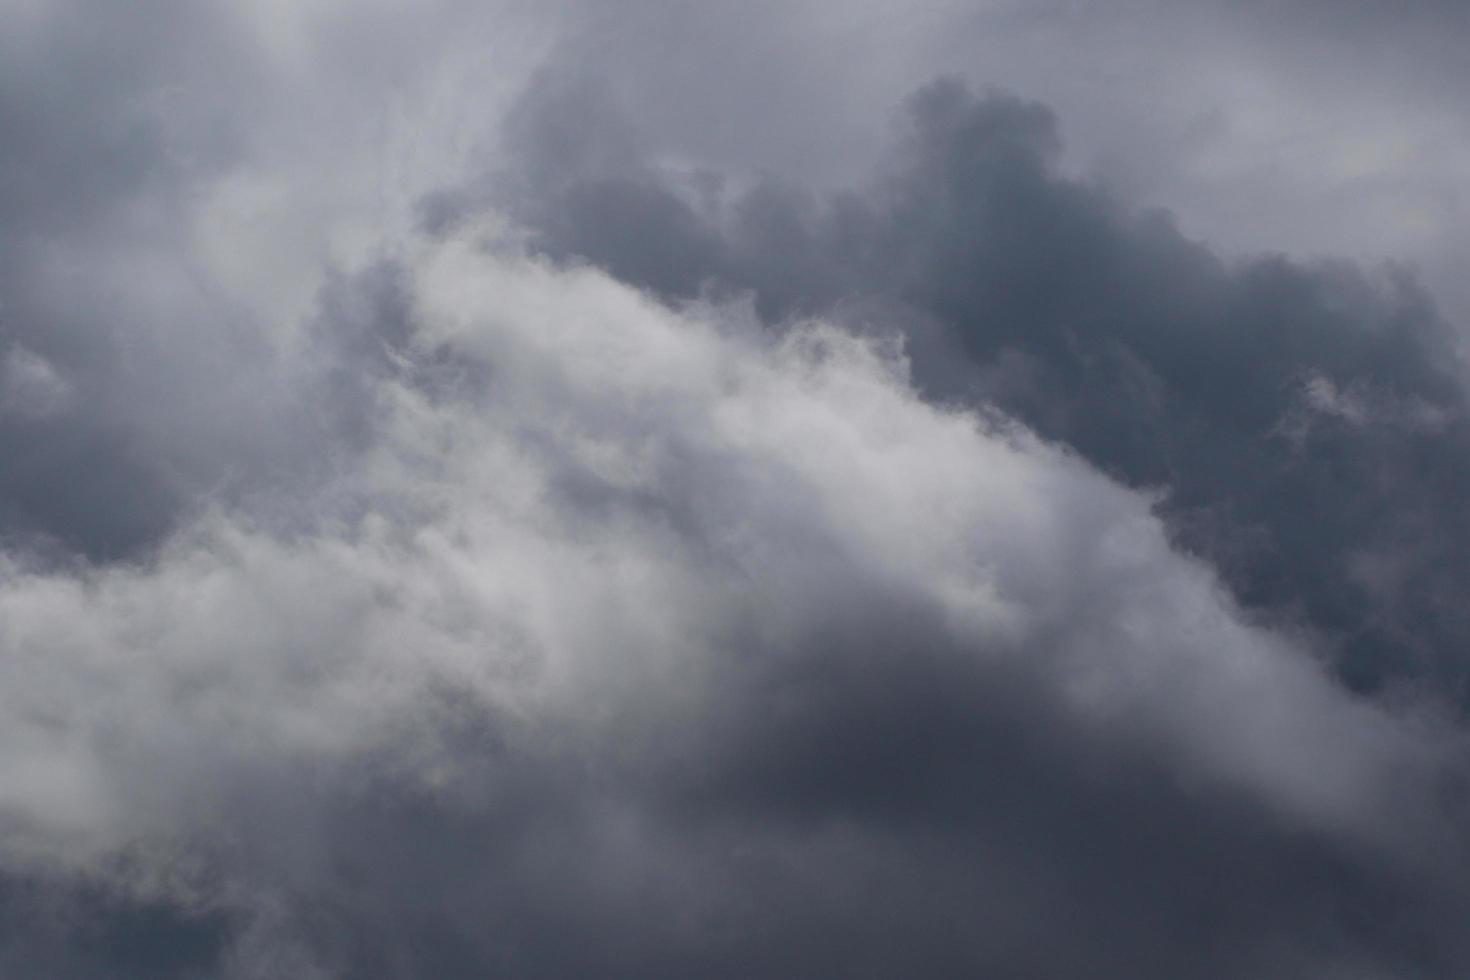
x=623, y=600
x=1308, y=420
x=496, y=490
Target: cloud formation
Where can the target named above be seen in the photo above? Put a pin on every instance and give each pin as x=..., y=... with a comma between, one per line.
x=628, y=601
x=498, y=489
x=1307, y=420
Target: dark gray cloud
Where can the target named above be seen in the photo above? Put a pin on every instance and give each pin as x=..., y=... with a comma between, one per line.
x=1313, y=128
x=1306, y=420
x=53, y=930
x=645, y=642
x=162, y=258
x=119, y=365
x=406, y=573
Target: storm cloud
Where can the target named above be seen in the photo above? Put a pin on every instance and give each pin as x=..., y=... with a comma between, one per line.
x=1306, y=420
x=498, y=490
x=636, y=599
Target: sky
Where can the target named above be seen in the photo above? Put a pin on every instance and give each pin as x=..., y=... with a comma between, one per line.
x=940, y=488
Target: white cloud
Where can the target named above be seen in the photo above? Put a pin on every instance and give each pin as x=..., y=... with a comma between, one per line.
x=582, y=554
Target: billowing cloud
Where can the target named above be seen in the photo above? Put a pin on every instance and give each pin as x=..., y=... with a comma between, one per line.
x=644, y=638
x=1308, y=421
x=540, y=490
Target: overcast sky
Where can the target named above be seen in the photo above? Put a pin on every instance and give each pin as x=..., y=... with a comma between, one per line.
x=900, y=488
